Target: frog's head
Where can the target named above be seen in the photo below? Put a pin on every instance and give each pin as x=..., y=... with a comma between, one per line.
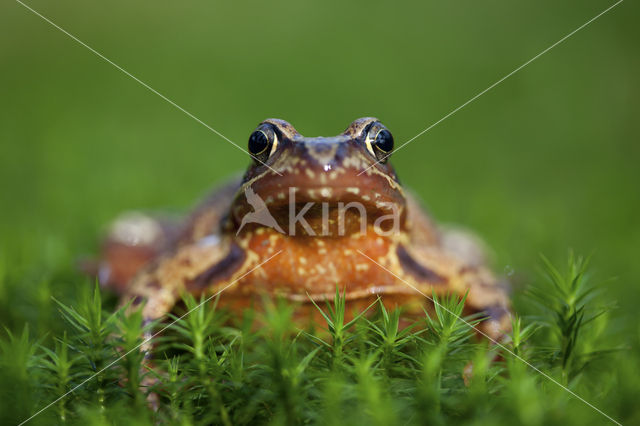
x=290, y=171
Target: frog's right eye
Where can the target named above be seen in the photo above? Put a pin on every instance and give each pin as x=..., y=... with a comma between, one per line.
x=262, y=143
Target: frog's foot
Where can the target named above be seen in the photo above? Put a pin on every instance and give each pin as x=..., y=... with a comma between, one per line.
x=133, y=240
x=433, y=270
x=159, y=285
x=195, y=268
x=488, y=296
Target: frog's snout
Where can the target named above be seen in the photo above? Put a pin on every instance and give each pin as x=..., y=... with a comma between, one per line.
x=320, y=155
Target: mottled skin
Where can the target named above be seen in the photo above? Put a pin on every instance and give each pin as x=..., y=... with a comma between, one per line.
x=204, y=254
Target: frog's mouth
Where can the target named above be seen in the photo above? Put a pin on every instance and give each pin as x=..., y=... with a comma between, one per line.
x=308, y=207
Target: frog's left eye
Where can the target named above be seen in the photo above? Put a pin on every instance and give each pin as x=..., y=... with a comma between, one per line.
x=262, y=143
x=379, y=141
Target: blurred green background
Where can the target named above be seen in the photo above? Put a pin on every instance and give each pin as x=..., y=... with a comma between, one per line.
x=546, y=161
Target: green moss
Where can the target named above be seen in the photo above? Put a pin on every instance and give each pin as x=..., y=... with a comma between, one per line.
x=207, y=369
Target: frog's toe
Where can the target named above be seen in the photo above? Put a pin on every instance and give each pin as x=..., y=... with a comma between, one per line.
x=497, y=323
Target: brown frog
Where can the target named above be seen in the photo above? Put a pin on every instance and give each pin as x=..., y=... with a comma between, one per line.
x=309, y=215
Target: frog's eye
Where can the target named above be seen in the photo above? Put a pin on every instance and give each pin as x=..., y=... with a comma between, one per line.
x=379, y=141
x=262, y=143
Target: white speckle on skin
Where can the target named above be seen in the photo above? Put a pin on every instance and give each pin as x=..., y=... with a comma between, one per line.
x=333, y=271
x=281, y=196
x=353, y=190
x=310, y=173
x=303, y=260
x=244, y=241
x=384, y=205
x=322, y=251
x=362, y=267
x=273, y=238
x=326, y=192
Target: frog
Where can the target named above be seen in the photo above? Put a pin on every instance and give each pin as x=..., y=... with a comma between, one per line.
x=311, y=216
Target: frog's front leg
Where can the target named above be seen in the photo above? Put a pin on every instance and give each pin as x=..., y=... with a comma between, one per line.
x=208, y=264
x=205, y=265
x=433, y=270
